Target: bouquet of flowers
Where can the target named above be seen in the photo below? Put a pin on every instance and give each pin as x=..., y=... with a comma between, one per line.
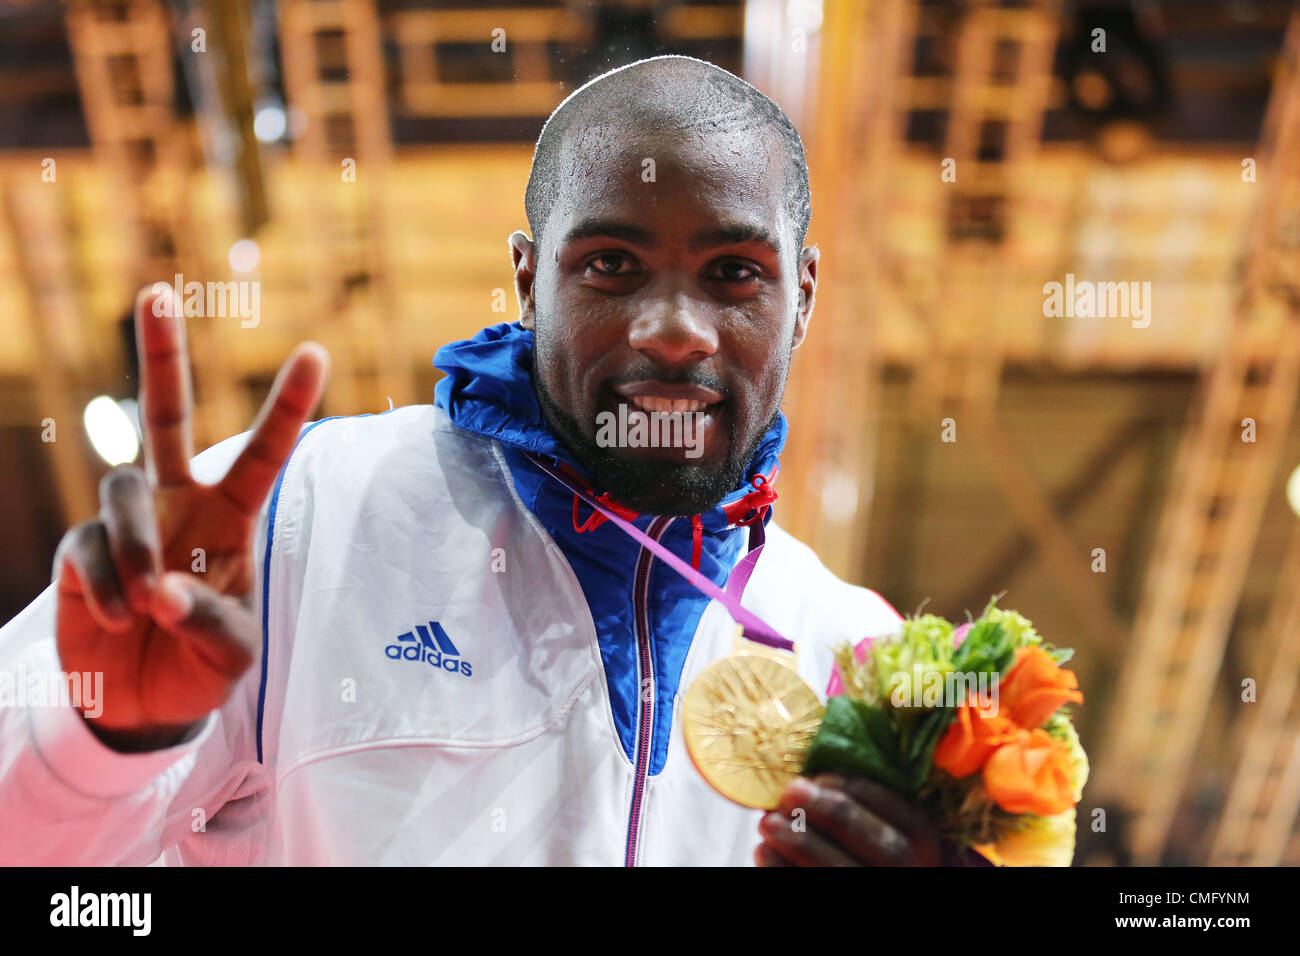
x=970, y=722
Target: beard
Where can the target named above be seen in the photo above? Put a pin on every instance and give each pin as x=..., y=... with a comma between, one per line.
x=646, y=485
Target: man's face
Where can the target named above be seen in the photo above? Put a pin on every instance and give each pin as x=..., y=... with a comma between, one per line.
x=666, y=283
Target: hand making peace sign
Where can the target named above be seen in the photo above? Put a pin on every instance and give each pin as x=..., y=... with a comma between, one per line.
x=172, y=644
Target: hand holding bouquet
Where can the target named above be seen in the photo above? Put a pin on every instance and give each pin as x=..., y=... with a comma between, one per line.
x=968, y=722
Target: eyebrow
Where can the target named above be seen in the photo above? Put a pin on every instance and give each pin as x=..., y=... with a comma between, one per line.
x=612, y=229
x=728, y=234
x=732, y=234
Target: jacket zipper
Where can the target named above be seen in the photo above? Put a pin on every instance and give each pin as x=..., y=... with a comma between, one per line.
x=646, y=689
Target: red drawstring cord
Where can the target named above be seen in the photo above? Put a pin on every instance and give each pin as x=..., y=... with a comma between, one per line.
x=596, y=519
x=760, y=499
x=697, y=540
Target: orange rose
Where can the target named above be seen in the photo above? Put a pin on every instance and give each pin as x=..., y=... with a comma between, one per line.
x=1034, y=688
x=1031, y=774
x=970, y=739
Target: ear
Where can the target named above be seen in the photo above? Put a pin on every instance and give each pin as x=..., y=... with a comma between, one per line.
x=807, y=292
x=524, y=256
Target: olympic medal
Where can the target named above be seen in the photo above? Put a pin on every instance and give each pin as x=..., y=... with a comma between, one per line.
x=748, y=721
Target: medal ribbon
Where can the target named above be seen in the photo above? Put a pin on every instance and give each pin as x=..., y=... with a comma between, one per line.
x=755, y=628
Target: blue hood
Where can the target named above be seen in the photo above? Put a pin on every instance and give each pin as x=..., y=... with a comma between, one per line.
x=489, y=391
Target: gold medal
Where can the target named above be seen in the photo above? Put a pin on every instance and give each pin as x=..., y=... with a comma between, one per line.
x=748, y=721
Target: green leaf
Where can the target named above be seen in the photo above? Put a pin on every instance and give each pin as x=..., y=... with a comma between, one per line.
x=1061, y=654
x=856, y=738
x=929, y=728
x=988, y=649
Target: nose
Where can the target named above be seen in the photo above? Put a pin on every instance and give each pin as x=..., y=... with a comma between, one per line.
x=674, y=332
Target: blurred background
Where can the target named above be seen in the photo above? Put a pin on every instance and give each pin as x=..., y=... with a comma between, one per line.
x=1121, y=480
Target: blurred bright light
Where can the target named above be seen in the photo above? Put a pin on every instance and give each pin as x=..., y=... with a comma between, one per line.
x=839, y=496
x=111, y=431
x=1293, y=491
x=132, y=409
x=269, y=124
x=244, y=255
x=806, y=15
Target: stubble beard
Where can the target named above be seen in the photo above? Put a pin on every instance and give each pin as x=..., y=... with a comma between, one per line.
x=646, y=485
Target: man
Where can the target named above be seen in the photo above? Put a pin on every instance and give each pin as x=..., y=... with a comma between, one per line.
x=409, y=642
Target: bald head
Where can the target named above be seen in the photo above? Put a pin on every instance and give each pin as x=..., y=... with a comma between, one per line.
x=667, y=95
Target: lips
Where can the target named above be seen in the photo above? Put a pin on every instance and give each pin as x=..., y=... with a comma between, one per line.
x=661, y=397
x=666, y=421
x=666, y=406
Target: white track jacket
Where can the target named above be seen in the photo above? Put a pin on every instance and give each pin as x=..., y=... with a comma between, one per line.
x=454, y=669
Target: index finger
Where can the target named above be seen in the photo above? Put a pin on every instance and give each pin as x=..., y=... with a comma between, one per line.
x=295, y=393
x=886, y=804
x=846, y=822
x=164, y=385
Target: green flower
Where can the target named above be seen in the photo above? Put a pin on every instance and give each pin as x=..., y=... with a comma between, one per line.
x=915, y=660
x=1018, y=628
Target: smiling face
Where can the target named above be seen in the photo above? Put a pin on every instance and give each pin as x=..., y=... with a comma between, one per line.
x=678, y=298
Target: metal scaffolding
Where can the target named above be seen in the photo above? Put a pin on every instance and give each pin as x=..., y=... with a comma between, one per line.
x=1211, y=518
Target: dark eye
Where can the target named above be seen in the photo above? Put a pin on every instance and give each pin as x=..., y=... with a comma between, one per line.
x=733, y=270
x=612, y=264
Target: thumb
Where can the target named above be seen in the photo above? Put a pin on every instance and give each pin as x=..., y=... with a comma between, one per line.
x=216, y=627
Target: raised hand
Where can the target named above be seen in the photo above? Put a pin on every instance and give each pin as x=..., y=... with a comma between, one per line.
x=172, y=644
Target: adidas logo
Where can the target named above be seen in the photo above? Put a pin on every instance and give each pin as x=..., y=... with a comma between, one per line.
x=442, y=655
